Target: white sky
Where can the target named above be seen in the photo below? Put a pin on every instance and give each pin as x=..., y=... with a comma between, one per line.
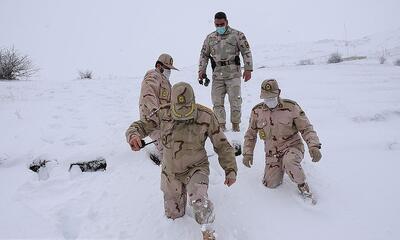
x=112, y=36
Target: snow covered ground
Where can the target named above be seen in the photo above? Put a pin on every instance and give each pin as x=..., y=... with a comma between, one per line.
x=354, y=106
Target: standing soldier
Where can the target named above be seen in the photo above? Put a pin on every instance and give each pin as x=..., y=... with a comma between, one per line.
x=156, y=91
x=222, y=47
x=184, y=127
x=278, y=122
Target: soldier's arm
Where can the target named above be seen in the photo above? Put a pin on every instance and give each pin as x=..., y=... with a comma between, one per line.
x=150, y=94
x=244, y=48
x=142, y=128
x=204, y=56
x=304, y=126
x=250, y=138
x=226, y=153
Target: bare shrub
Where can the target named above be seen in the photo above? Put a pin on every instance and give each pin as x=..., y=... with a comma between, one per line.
x=87, y=74
x=382, y=59
x=335, y=58
x=397, y=62
x=14, y=66
x=306, y=62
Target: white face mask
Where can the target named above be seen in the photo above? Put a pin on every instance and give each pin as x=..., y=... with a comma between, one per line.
x=167, y=73
x=271, y=102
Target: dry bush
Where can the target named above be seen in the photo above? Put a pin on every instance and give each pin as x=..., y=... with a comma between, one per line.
x=335, y=58
x=14, y=66
x=87, y=74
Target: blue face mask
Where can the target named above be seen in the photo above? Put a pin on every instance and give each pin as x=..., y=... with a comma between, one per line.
x=221, y=30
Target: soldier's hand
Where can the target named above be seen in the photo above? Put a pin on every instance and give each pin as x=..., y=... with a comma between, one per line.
x=246, y=75
x=230, y=179
x=315, y=154
x=135, y=142
x=248, y=161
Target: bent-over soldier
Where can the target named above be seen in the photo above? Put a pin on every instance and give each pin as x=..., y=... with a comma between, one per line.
x=279, y=123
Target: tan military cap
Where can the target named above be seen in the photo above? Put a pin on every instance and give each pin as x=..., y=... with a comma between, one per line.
x=167, y=60
x=269, y=89
x=183, y=104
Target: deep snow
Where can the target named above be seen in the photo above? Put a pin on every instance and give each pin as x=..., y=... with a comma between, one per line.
x=354, y=106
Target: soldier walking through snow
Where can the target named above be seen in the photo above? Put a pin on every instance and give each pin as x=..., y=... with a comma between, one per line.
x=223, y=47
x=184, y=127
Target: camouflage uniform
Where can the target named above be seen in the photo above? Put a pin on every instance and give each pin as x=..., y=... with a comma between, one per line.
x=279, y=128
x=223, y=50
x=185, y=126
x=155, y=91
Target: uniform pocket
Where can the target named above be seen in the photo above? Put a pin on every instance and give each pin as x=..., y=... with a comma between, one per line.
x=231, y=47
x=285, y=127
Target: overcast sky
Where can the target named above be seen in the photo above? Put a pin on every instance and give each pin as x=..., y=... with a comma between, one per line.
x=74, y=33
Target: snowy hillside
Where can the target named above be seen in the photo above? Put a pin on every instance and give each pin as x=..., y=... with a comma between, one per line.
x=372, y=47
x=355, y=108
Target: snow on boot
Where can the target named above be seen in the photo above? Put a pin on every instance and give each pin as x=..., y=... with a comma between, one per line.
x=208, y=235
x=235, y=127
x=304, y=189
x=306, y=193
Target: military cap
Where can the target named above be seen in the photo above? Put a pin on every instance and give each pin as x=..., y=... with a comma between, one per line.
x=183, y=104
x=167, y=60
x=269, y=89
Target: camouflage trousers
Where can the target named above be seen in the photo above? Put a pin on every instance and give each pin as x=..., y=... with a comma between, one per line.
x=220, y=88
x=156, y=135
x=289, y=162
x=176, y=193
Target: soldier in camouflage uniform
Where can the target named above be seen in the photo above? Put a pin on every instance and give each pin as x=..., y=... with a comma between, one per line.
x=156, y=91
x=223, y=47
x=278, y=123
x=184, y=127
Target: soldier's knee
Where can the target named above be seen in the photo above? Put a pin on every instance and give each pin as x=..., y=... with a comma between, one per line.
x=287, y=163
x=272, y=183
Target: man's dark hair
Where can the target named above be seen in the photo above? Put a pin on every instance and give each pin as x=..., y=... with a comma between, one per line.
x=220, y=15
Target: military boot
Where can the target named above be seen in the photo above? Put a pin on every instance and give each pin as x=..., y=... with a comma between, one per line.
x=222, y=126
x=208, y=235
x=235, y=127
x=304, y=189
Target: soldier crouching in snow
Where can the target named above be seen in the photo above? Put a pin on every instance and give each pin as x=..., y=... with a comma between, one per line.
x=184, y=127
x=278, y=122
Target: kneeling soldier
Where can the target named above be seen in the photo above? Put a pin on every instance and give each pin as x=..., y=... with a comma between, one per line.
x=184, y=127
x=278, y=123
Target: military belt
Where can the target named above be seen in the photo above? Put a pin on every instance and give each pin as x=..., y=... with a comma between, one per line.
x=225, y=63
